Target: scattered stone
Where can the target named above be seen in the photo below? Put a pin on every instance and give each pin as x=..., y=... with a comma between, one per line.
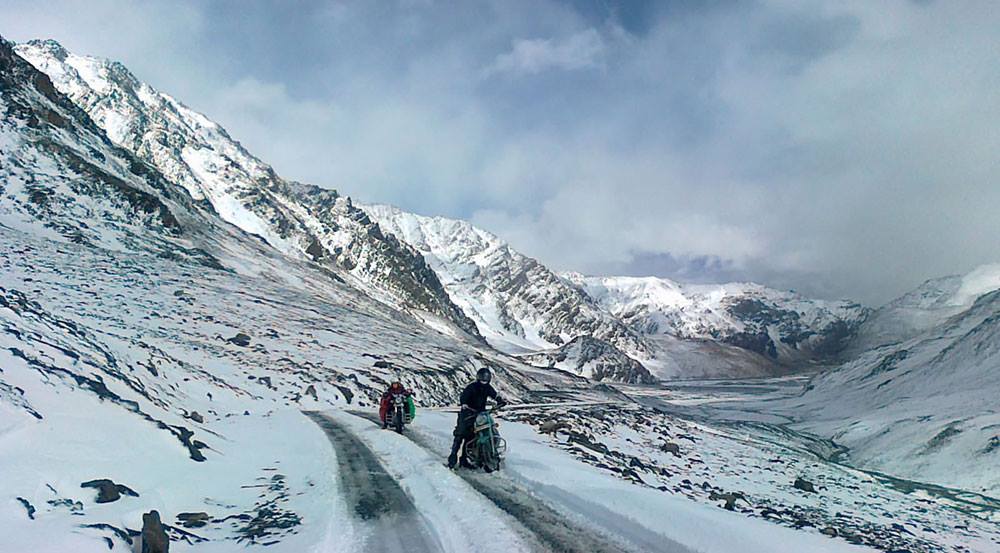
x=246, y=413
x=830, y=531
x=380, y=364
x=108, y=491
x=311, y=391
x=265, y=380
x=551, y=427
x=193, y=520
x=729, y=498
x=196, y=417
x=75, y=507
x=241, y=339
x=125, y=535
x=154, y=537
x=671, y=447
x=804, y=485
x=28, y=507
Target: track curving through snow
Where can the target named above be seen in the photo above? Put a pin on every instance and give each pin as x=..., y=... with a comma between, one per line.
x=553, y=530
x=374, y=496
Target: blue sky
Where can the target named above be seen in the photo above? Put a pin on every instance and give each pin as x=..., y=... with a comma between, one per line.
x=844, y=149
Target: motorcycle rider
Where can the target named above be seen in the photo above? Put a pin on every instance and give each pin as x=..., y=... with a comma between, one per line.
x=473, y=400
x=396, y=388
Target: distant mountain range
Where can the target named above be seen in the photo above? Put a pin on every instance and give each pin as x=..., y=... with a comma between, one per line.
x=459, y=279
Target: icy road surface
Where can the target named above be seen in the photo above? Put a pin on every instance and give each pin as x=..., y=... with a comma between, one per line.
x=543, y=499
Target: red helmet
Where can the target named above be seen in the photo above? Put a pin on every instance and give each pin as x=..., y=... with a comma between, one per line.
x=396, y=385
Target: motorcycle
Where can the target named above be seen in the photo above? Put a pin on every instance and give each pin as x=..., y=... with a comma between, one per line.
x=485, y=448
x=400, y=411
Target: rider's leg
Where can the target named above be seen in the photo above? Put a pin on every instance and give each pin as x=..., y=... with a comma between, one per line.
x=461, y=430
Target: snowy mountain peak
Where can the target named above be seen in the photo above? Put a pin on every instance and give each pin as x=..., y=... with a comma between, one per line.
x=783, y=326
x=925, y=307
x=303, y=222
x=517, y=303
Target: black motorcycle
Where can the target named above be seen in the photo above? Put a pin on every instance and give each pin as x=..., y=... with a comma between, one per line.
x=485, y=448
x=399, y=412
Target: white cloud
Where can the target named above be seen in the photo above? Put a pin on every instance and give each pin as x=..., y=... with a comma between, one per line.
x=842, y=148
x=530, y=56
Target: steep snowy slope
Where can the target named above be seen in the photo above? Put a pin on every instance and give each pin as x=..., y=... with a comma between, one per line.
x=189, y=149
x=782, y=326
x=925, y=307
x=62, y=178
x=925, y=408
x=145, y=341
x=516, y=302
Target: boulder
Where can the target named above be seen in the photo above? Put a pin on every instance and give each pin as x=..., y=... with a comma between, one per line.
x=671, y=447
x=804, y=485
x=241, y=339
x=108, y=491
x=551, y=427
x=154, y=537
x=193, y=520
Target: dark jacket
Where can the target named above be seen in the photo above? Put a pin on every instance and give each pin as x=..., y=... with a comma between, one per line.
x=475, y=395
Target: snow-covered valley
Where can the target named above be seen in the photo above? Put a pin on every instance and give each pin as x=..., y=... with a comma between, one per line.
x=185, y=331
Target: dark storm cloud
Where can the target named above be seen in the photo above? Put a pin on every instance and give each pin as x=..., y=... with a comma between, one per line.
x=838, y=148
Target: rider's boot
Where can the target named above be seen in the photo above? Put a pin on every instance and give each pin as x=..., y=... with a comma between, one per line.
x=453, y=457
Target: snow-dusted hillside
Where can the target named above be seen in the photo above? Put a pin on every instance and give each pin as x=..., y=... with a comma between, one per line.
x=302, y=221
x=154, y=351
x=782, y=326
x=674, y=330
x=594, y=359
x=517, y=303
x=925, y=307
x=924, y=408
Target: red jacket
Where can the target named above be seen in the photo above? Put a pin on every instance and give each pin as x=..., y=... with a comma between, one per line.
x=383, y=407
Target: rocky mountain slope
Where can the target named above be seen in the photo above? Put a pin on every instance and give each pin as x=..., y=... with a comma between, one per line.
x=154, y=356
x=927, y=306
x=301, y=221
x=517, y=303
x=152, y=350
x=446, y=272
x=782, y=326
x=921, y=407
x=673, y=330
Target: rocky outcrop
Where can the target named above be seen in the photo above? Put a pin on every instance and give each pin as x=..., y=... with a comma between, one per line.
x=108, y=491
x=781, y=326
x=154, y=537
x=595, y=359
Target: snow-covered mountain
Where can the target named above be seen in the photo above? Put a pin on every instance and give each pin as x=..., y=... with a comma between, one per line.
x=926, y=407
x=674, y=330
x=927, y=306
x=162, y=355
x=302, y=221
x=517, y=303
x=444, y=271
x=783, y=326
x=594, y=359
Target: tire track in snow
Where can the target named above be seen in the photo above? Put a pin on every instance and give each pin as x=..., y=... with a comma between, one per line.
x=376, y=498
x=550, y=528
